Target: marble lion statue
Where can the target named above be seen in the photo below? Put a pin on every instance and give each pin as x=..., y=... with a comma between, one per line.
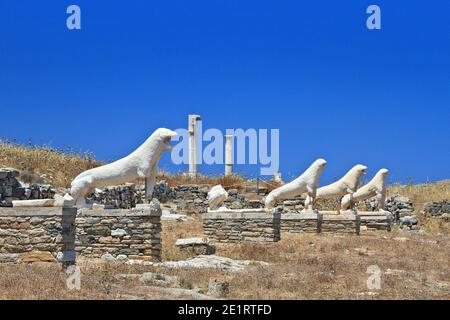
x=375, y=188
x=347, y=185
x=307, y=182
x=142, y=163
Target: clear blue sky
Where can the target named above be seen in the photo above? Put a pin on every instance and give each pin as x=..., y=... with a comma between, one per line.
x=310, y=68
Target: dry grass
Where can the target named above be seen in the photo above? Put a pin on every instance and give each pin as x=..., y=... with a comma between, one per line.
x=302, y=266
x=228, y=182
x=59, y=167
x=56, y=167
x=420, y=194
x=307, y=266
x=423, y=193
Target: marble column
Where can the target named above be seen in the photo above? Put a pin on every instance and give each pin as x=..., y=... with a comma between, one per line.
x=192, y=128
x=229, y=155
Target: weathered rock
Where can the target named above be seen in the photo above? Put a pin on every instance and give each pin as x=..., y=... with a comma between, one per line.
x=212, y=262
x=408, y=221
x=118, y=233
x=160, y=280
x=99, y=231
x=108, y=257
x=198, y=246
x=218, y=288
x=9, y=257
x=34, y=203
x=36, y=256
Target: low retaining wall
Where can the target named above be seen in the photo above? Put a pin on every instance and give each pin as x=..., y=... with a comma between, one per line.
x=334, y=223
x=261, y=226
x=56, y=234
x=134, y=233
x=376, y=220
x=297, y=223
x=317, y=223
x=242, y=226
x=437, y=209
x=37, y=234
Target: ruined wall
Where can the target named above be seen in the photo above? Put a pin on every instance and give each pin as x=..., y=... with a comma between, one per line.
x=437, y=209
x=248, y=226
x=191, y=198
x=11, y=189
x=55, y=234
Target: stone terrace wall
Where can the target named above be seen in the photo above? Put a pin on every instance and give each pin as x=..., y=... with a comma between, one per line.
x=250, y=226
x=50, y=234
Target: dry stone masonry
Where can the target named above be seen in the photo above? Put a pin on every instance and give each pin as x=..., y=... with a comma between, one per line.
x=55, y=234
x=243, y=226
x=36, y=234
x=192, y=198
x=196, y=246
x=333, y=223
x=300, y=223
x=12, y=189
x=376, y=220
x=437, y=209
x=121, y=197
x=317, y=223
x=134, y=234
x=403, y=211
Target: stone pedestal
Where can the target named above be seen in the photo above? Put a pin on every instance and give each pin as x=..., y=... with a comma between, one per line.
x=30, y=234
x=37, y=234
x=299, y=223
x=342, y=223
x=317, y=222
x=376, y=220
x=247, y=225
